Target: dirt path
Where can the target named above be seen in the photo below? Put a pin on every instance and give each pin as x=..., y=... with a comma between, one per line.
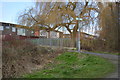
x=113, y=58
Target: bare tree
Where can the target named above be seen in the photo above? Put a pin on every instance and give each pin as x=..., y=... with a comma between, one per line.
x=109, y=25
x=54, y=15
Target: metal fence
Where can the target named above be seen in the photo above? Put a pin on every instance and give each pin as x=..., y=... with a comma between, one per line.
x=58, y=42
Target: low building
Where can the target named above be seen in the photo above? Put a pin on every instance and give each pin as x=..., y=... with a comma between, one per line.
x=51, y=34
x=19, y=30
x=82, y=35
x=8, y=28
x=66, y=36
x=14, y=31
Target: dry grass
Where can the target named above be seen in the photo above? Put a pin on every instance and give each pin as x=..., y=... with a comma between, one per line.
x=20, y=57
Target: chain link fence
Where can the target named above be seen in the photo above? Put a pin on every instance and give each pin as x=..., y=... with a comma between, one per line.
x=57, y=42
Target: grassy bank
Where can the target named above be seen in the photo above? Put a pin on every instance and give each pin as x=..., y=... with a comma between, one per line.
x=74, y=65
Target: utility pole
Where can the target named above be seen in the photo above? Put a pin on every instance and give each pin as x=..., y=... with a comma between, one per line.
x=78, y=37
x=79, y=28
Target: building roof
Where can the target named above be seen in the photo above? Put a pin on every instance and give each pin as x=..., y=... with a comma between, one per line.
x=18, y=26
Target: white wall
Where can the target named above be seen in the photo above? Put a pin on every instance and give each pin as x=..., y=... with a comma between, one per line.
x=58, y=34
x=1, y=28
x=53, y=34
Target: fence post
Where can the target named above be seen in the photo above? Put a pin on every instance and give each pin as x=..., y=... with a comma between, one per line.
x=61, y=42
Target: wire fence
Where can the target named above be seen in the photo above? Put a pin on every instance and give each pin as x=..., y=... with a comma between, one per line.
x=58, y=42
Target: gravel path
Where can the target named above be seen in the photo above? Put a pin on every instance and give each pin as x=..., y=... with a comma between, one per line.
x=113, y=58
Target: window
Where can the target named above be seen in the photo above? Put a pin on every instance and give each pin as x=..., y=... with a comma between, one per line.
x=32, y=32
x=13, y=29
x=1, y=28
x=7, y=27
x=86, y=36
x=23, y=30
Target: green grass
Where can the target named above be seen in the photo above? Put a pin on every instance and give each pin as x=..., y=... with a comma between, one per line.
x=74, y=65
